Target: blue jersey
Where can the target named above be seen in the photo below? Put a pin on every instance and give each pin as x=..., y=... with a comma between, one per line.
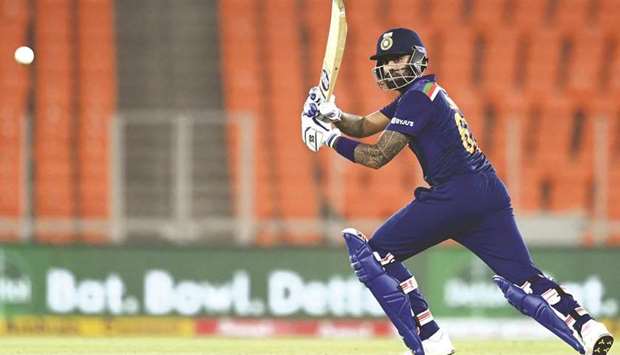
x=438, y=132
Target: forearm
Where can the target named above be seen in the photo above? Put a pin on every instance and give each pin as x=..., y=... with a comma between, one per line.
x=372, y=155
x=351, y=125
x=365, y=154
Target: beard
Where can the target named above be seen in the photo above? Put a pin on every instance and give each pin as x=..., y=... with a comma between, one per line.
x=399, y=78
x=391, y=78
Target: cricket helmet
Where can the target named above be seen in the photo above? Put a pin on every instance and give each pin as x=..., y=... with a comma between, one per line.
x=395, y=43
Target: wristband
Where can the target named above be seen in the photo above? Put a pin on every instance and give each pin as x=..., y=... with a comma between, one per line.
x=346, y=147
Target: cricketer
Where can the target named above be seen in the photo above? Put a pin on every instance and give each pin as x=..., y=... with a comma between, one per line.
x=465, y=201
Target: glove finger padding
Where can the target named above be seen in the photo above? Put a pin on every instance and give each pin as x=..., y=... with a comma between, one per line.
x=310, y=109
x=314, y=95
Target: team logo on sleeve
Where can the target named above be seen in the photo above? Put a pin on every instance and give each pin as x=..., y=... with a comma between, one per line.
x=398, y=121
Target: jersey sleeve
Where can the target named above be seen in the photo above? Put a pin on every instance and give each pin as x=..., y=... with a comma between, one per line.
x=390, y=109
x=413, y=112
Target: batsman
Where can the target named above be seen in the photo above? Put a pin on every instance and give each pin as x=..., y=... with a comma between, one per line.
x=465, y=201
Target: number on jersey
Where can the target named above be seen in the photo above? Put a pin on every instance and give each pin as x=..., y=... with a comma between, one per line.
x=469, y=143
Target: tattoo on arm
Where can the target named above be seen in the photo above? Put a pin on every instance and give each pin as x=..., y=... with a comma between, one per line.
x=351, y=125
x=377, y=155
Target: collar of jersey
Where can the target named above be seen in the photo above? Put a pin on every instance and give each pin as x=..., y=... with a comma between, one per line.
x=428, y=77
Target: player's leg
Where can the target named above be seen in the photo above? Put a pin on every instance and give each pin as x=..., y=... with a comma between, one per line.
x=419, y=305
x=498, y=243
x=392, y=241
x=387, y=290
x=420, y=225
x=434, y=340
x=435, y=213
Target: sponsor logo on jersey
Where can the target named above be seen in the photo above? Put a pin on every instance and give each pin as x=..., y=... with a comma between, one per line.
x=401, y=122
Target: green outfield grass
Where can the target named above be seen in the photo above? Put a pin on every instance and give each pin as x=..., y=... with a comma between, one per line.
x=267, y=346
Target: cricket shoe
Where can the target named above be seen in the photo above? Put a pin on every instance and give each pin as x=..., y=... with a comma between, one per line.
x=596, y=338
x=437, y=344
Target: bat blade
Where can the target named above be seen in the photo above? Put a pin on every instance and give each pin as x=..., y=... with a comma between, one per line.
x=333, y=50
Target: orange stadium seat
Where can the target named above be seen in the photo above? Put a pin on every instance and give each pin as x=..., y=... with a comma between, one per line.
x=542, y=62
x=608, y=15
x=316, y=30
x=511, y=129
x=571, y=13
x=586, y=63
x=14, y=83
x=294, y=167
x=353, y=202
x=490, y=14
x=54, y=193
x=532, y=173
x=612, y=67
x=14, y=10
x=53, y=227
x=613, y=179
x=56, y=17
x=13, y=77
x=609, y=45
x=398, y=181
x=609, y=112
x=457, y=59
x=408, y=13
x=97, y=105
x=448, y=14
x=572, y=192
x=501, y=60
x=11, y=167
x=96, y=16
x=361, y=194
x=529, y=14
x=574, y=181
x=363, y=21
x=53, y=125
x=363, y=32
x=561, y=153
x=97, y=53
x=490, y=132
x=536, y=189
x=433, y=40
x=384, y=190
x=376, y=194
x=240, y=42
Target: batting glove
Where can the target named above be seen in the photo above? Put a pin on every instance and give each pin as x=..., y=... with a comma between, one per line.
x=315, y=133
x=329, y=112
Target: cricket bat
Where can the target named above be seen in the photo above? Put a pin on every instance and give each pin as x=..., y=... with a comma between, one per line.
x=333, y=50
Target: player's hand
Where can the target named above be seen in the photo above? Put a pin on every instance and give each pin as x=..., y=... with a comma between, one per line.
x=315, y=134
x=329, y=112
